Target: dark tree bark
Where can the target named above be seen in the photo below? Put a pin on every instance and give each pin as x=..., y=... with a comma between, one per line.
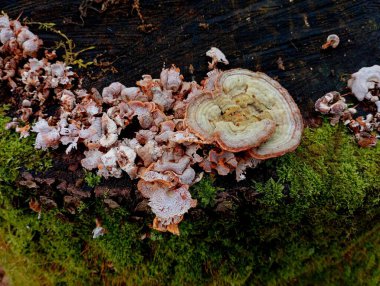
x=253, y=35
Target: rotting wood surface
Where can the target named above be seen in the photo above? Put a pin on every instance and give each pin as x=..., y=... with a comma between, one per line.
x=253, y=35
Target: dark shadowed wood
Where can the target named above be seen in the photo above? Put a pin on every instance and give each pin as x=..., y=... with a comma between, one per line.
x=253, y=35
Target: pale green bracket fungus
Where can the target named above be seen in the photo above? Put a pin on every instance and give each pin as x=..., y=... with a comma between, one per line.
x=247, y=111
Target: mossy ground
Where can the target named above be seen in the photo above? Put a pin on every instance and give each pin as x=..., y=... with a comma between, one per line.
x=315, y=222
x=18, y=154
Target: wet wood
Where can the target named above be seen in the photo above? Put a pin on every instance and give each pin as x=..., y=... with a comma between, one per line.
x=253, y=35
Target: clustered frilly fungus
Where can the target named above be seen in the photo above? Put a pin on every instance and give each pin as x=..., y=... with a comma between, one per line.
x=229, y=122
x=365, y=86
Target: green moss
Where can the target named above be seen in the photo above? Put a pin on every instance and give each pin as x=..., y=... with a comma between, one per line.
x=205, y=191
x=357, y=264
x=22, y=269
x=92, y=179
x=64, y=254
x=313, y=223
x=272, y=192
x=329, y=168
x=18, y=154
x=52, y=249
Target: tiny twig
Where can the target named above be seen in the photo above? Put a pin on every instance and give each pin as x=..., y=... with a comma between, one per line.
x=70, y=57
x=294, y=45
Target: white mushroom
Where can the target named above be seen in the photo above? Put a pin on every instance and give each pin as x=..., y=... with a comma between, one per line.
x=109, y=129
x=171, y=78
x=217, y=57
x=126, y=159
x=92, y=159
x=47, y=136
x=331, y=41
x=365, y=80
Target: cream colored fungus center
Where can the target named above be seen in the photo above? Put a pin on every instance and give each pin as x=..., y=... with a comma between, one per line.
x=239, y=118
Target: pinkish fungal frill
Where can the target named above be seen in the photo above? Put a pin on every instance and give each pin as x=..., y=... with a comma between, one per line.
x=157, y=131
x=331, y=41
x=365, y=86
x=217, y=56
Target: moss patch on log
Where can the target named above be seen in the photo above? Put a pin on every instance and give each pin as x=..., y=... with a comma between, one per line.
x=312, y=223
x=18, y=154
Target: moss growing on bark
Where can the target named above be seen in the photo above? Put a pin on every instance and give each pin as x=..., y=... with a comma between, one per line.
x=330, y=169
x=92, y=179
x=18, y=154
x=205, y=191
x=312, y=223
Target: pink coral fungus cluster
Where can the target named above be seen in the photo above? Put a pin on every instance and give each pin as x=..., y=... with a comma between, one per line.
x=230, y=122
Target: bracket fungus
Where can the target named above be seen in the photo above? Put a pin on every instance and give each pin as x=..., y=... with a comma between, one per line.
x=247, y=111
x=229, y=122
x=233, y=127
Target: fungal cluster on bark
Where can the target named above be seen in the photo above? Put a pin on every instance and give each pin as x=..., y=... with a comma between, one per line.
x=365, y=86
x=228, y=123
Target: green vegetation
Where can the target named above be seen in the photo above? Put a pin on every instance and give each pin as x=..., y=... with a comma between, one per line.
x=70, y=56
x=329, y=168
x=205, y=191
x=92, y=179
x=271, y=192
x=313, y=223
x=18, y=154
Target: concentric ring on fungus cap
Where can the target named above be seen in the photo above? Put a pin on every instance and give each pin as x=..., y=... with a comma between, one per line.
x=248, y=111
